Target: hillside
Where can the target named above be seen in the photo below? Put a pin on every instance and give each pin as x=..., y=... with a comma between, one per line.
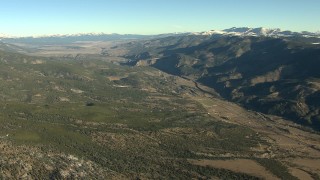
x=273, y=78
x=272, y=75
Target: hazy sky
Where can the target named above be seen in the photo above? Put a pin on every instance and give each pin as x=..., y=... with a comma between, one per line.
x=38, y=17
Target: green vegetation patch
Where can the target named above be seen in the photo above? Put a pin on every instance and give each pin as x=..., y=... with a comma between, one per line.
x=276, y=168
x=26, y=137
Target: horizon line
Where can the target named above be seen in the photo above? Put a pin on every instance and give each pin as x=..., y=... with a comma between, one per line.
x=5, y=35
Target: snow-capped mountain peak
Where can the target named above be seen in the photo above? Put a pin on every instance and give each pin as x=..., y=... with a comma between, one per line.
x=246, y=31
x=211, y=32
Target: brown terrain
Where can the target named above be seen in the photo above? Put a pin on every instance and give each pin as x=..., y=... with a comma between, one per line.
x=296, y=147
x=238, y=165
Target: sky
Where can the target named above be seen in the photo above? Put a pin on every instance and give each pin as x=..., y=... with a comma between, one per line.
x=47, y=17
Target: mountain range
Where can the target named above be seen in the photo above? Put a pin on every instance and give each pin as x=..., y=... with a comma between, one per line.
x=245, y=31
x=242, y=31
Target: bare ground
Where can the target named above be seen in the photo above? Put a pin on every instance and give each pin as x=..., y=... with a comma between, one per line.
x=300, y=174
x=238, y=165
x=295, y=146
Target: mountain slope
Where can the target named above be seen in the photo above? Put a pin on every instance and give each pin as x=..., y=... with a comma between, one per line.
x=273, y=79
x=273, y=75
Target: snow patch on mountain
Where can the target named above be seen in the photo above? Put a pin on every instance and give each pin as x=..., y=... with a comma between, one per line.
x=209, y=33
x=268, y=32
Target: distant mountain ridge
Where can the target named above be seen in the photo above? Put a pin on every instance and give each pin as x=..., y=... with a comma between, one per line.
x=246, y=31
x=65, y=39
x=234, y=31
